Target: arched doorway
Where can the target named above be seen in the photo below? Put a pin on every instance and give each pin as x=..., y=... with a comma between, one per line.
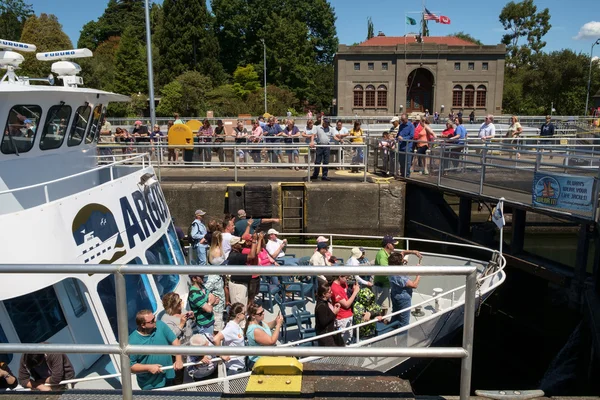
x=419, y=91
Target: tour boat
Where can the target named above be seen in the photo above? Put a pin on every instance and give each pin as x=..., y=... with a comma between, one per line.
x=61, y=203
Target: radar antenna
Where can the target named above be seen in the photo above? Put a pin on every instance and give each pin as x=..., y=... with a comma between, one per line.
x=10, y=60
x=66, y=70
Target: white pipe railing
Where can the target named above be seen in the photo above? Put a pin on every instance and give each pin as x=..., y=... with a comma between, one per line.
x=124, y=349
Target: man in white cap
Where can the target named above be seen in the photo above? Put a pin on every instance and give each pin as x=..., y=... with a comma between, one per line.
x=395, y=126
x=242, y=223
x=238, y=284
x=198, y=231
x=275, y=247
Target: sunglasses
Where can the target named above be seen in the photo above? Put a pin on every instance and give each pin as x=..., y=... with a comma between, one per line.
x=260, y=314
x=153, y=320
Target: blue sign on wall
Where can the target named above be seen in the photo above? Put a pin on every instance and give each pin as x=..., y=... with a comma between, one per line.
x=566, y=192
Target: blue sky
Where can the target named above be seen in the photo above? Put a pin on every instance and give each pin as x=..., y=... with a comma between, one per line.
x=479, y=18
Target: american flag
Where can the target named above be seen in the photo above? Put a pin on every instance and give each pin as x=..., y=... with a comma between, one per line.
x=429, y=16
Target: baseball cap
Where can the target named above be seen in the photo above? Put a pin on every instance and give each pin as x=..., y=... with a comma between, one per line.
x=321, y=245
x=387, y=240
x=235, y=240
x=356, y=252
x=272, y=232
x=27, y=121
x=246, y=236
x=362, y=249
x=322, y=239
x=241, y=213
x=199, y=212
x=326, y=119
x=395, y=119
x=138, y=122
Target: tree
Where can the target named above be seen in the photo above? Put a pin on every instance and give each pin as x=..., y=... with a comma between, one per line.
x=465, y=36
x=245, y=81
x=46, y=33
x=187, y=95
x=99, y=71
x=522, y=20
x=224, y=101
x=13, y=14
x=130, y=64
x=370, y=29
x=188, y=42
x=279, y=99
x=118, y=15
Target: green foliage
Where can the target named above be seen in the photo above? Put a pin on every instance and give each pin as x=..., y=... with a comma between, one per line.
x=46, y=33
x=137, y=105
x=99, y=71
x=279, y=101
x=245, y=80
x=130, y=64
x=13, y=14
x=186, y=95
x=522, y=20
x=118, y=15
x=370, y=28
x=465, y=36
x=187, y=41
x=559, y=77
x=224, y=101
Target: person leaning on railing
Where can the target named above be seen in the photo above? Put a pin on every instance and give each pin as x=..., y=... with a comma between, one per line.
x=402, y=286
x=44, y=372
x=7, y=379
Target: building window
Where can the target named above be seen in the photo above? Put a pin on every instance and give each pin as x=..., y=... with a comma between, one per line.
x=457, y=95
x=36, y=316
x=471, y=66
x=94, y=132
x=469, y=96
x=357, y=66
x=370, y=96
x=457, y=66
x=371, y=66
x=382, y=96
x=358, y=96
x=20, y=130
x=481, y=96
x=484, y=66
x=384, y=66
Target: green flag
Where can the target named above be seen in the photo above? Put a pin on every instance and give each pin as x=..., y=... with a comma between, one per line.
x=410, y=21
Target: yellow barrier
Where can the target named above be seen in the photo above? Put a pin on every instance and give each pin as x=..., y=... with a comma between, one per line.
x=180, y=135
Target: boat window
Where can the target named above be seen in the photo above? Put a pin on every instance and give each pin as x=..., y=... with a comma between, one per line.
x=75, y=296
x=97, y=118
x=176, y=245
x=36, y=316
x=4, y=357
x=55, y=127
x=79, y=125
x=160, y=254
x=20, y=129
x=139, y=297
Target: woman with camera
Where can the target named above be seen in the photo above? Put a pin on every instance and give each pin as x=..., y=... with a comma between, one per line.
x=181, y=323
x=340, y=296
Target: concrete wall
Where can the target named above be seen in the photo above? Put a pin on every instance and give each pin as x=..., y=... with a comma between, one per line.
x=352, y=208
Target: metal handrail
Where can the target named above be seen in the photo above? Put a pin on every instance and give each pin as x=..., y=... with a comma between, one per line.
x=64, y=178
x=124, y=349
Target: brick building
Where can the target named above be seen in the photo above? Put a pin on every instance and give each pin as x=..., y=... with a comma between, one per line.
x=387, y=75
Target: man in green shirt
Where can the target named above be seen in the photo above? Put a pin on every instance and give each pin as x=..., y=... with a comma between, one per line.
x=201, y=302
x=381, y=286
x=148, y=366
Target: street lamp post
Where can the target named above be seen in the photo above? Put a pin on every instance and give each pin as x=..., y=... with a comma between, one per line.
x=265, y=70
x=587, y=98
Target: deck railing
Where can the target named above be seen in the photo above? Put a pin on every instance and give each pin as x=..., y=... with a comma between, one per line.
x=124, y=349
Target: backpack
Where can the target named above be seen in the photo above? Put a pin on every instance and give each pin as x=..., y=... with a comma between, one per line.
x=191, y=240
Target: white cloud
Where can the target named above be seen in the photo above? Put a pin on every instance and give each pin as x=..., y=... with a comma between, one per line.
x=590, y=30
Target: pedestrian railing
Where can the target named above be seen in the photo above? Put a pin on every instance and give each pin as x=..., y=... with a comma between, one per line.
x=124, y=350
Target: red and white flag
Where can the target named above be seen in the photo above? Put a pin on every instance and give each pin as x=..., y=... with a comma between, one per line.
x=444, y=20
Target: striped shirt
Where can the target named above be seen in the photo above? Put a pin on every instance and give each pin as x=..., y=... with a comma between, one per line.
x=197, y=298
